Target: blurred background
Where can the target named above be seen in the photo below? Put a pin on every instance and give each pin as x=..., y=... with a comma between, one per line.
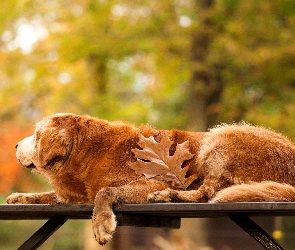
x=182, y=64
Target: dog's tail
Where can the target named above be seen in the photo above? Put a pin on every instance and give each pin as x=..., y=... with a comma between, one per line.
x=268, y=191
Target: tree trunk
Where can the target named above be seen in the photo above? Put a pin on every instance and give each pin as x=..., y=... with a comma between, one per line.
x=205, y=87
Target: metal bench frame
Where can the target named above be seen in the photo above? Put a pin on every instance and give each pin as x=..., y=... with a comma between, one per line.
x=151, y=215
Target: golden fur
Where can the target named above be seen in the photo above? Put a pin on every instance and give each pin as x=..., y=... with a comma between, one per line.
x=87, y=160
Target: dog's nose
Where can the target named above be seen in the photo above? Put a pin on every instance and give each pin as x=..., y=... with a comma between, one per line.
x=16, y=145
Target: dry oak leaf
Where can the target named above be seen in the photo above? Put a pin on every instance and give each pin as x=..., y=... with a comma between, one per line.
x=154, y=161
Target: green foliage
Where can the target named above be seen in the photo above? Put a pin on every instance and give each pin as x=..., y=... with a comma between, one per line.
x=94, y=45
x=131, y=60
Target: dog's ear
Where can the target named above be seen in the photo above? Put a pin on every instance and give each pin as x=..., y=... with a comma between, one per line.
x=53, y=145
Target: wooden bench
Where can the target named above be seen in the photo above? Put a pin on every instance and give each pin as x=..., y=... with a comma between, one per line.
x=151, y=215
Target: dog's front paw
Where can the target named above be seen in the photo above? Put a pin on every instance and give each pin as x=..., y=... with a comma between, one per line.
x=19, y=198
x=161, y=196
x=103, y=225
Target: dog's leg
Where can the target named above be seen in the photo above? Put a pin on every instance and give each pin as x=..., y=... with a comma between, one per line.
x=33, y=198
x=205, y=192
x=103, y=219
x=213, y=164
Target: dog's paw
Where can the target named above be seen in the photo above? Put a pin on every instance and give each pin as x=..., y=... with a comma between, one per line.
x=161, y=196
x=103, y=225
x=19, y=198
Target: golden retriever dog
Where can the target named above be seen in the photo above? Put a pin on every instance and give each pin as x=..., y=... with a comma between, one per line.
x=87, y=160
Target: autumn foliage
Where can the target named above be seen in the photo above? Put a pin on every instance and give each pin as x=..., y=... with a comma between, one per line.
x=155, y=161
x=10, y=173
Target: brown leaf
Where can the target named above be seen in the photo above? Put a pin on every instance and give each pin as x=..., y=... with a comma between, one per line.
x=154, y=161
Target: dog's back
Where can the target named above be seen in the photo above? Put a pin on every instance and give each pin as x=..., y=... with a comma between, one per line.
x=258, y=163
x=244, y=153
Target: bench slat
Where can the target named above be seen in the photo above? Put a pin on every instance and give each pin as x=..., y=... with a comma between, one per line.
x=183, y=210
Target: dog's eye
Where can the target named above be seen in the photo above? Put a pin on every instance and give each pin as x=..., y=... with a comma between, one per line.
x=16, y=145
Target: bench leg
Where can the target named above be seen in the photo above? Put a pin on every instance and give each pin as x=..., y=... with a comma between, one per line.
x=249, y=226
x=40, y=236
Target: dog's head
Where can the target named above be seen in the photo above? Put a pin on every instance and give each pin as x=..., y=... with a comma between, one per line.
x=50, y=144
